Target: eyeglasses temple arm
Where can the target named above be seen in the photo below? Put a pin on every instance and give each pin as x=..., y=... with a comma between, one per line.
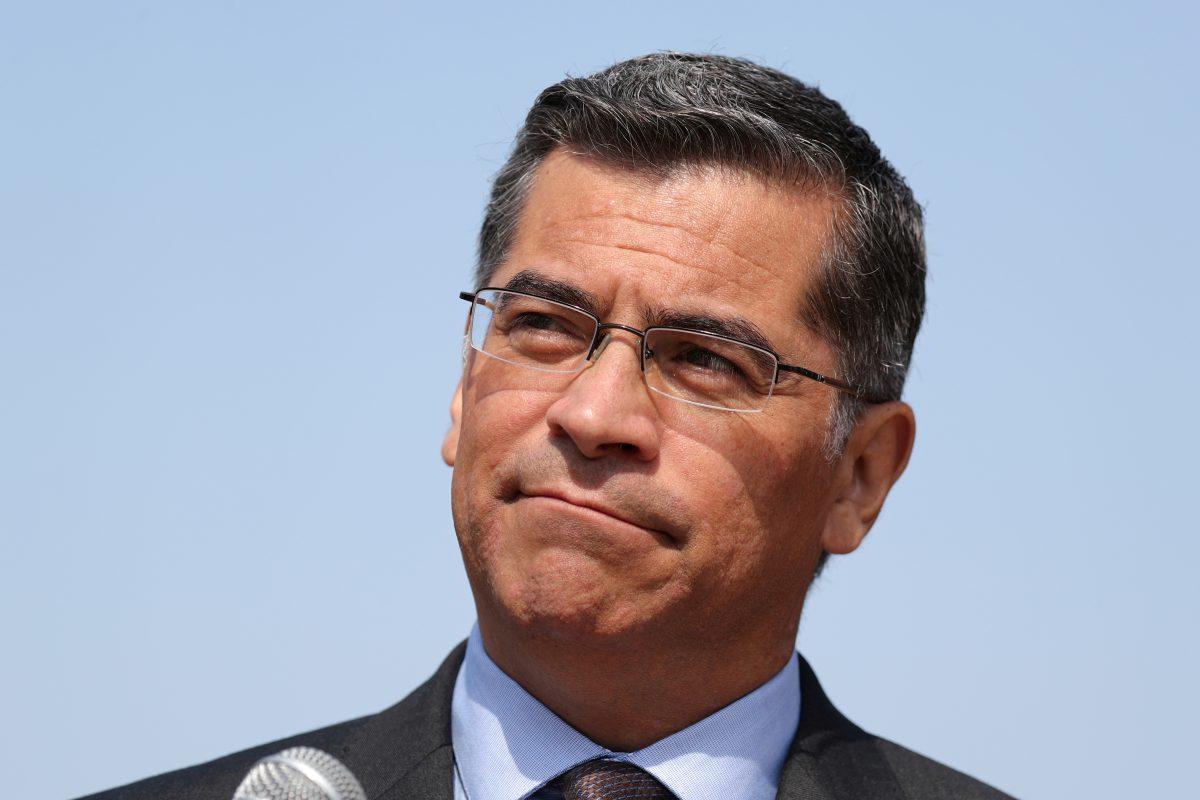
x=819, y=378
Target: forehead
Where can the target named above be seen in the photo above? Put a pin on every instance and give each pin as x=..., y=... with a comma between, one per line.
x=699, y=235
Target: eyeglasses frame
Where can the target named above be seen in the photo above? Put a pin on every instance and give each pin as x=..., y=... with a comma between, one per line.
x=599, y=341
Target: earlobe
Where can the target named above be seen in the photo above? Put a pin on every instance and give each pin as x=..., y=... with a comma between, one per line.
x=874, y=458
x=450, y=443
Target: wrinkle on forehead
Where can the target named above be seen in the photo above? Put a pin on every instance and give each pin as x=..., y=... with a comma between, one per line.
x=702, y=217
x=709, y=235
x=687, y=240
x=698, y=273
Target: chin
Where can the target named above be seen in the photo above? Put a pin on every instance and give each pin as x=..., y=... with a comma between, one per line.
x=566, y=596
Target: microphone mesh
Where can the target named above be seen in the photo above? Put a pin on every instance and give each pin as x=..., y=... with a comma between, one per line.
x=300, y=773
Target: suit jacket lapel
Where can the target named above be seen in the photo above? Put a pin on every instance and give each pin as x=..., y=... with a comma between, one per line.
x=831, y=758
x=404, y=752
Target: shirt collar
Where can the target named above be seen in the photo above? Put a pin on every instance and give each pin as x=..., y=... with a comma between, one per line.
x=507, y=744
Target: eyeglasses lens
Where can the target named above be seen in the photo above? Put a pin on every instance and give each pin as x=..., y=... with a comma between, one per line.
x=708, y=370
x=529, y=331
x=692, y=366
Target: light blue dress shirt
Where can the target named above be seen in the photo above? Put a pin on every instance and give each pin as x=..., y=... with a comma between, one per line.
x=507, y=745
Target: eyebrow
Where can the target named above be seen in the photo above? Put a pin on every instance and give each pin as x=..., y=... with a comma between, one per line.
x=743, y=330
x=535, y=283
x=731, y=327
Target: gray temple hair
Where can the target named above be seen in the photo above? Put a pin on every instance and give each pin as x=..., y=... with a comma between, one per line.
x=668, y=111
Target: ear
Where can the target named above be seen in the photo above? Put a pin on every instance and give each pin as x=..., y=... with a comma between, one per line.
x=450, y=443
x=874, y=458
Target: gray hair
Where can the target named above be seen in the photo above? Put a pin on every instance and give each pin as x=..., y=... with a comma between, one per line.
x=666, y=111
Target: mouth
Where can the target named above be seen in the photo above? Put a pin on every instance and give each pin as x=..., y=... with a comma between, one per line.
x=602, y=512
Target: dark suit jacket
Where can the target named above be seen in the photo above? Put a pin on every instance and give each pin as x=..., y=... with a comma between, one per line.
x=404, y=753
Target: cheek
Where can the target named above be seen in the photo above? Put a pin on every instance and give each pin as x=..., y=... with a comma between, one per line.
x=495, y=423
x=496, y=416
x=761, y=501
x=742, y=472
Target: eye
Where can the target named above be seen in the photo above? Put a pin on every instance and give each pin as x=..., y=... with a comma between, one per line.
x=710, y=361
x=532, y=320
x=540, y=332
x=541, y=325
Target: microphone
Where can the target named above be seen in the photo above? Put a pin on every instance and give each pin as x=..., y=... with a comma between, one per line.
x=300, y=773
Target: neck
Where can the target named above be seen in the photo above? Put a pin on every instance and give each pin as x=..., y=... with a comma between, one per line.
x=628, y=696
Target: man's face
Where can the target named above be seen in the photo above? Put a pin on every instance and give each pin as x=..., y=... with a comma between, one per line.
x=589, y=507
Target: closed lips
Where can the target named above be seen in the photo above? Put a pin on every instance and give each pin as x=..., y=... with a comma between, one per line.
x=644, y=521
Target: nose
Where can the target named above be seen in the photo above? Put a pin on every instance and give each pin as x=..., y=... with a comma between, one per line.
x=607, y=409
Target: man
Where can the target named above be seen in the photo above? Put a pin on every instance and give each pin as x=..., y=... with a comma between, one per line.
x=698, y=290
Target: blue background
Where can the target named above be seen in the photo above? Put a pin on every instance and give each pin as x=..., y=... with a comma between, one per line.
x=231, y=237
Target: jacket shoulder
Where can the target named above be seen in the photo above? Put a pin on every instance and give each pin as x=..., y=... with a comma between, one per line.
x=218, y=779
x=389, y=752
x=831, y=757
x=924, y=778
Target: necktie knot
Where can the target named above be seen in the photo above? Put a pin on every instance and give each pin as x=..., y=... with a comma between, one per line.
x=610, y=780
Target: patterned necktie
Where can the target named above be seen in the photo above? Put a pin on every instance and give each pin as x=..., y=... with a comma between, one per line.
x=610, y=780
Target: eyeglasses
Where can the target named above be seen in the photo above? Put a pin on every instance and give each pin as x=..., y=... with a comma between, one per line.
x=703, y=369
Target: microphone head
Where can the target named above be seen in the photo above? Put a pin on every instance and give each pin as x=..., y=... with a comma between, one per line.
x=300, y=773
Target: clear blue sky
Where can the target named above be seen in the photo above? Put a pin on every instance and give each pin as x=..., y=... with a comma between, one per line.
x=231, y=237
